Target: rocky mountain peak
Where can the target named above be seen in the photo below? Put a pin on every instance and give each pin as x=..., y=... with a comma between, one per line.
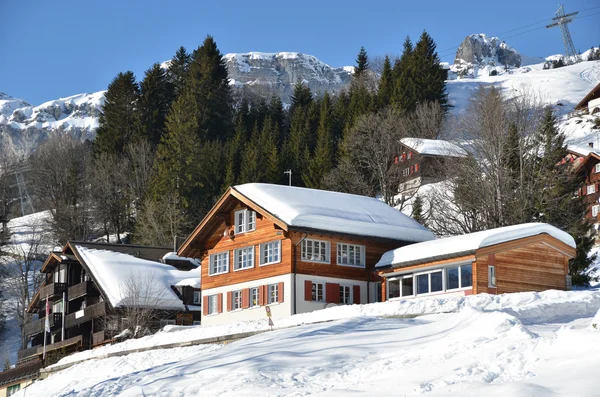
x=481, y=50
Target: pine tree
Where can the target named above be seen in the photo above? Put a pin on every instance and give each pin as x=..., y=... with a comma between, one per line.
x=417, y=210
x=178, y=70
x=429, y=76
x=322, y=162
x=301, y=98
x=557, y=203
x=156, y=96
x=386, y=85
x=208, y=81
x=403, y=96
x=362, y=63
x=178, y=154
x=269, y=156
x=119, y=117
x=233, y=154
x=250, y=169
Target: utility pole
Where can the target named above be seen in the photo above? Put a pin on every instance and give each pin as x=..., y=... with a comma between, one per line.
x=289, y=172
x=562, y=20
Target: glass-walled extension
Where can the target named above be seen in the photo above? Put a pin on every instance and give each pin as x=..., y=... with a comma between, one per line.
x=447, y=279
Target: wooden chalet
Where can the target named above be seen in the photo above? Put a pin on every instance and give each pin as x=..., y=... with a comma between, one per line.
x=18, y=378
x=527, y=257
x=424, y=161
x=84, y=288
x=586, y=163
x=591, y=102
x=292, y=249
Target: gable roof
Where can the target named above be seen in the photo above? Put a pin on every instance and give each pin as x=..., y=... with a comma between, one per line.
x=298, y=208
x=466, y=244
x=113, y=273
x=434, y=147
x=593, y=94
x=582, y=150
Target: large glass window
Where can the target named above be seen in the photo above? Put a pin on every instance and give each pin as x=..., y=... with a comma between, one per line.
x=244, y=258
x=315, y=251
x=273, y=290
x=351, y=255
x=245, y=221
x=270, y=252
x=466, y=276
x=219, y=263
x=436, y=281
x=318, y=292
x=407, y=286
x=393, y=288
x=422, y=283
x=452, y=278
x=197, y=298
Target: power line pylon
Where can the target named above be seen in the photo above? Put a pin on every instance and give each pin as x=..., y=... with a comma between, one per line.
x=562, y=20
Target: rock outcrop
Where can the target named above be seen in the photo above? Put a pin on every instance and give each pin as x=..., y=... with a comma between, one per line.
x=483, y=50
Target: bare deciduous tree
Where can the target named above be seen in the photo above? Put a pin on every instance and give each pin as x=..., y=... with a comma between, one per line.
x=160, y=221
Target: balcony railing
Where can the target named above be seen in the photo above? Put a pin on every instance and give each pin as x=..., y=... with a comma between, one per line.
x=90, y=312
x=39, y=350
x=52, y=290
x=37, y=326
x=82, y=289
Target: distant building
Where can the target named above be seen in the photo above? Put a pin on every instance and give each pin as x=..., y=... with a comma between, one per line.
x=292, y=250
x=591, y=102
x=527, y=257
x=586, y=163
x=424, y=161
x=90, y=286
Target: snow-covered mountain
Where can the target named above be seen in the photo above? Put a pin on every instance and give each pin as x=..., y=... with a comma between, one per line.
x=483, y=50
x=276, y=73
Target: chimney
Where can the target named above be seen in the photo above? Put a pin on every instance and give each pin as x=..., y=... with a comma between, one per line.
x=591, y=144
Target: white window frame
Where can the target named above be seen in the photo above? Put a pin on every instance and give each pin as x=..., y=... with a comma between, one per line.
x=327, y=249
x=597, y=168
x=247, y=258
x=197, y=294
x=270, y=298
x=492, y=282
x=428, y=273
x=315, y=292
x=247, y=222
x=224, y=263
x=251, y=303
x=271, y=246
x=591, y=189
x=460, y=283
x=213, y=304
x=595, y=210
x=58, y=306
x=350, y=299
x=361, y=254
x=236, y=300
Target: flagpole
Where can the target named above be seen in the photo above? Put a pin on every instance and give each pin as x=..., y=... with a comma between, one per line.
x=46, y=326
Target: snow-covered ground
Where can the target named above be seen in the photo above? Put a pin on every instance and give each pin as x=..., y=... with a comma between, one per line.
x=538, y=344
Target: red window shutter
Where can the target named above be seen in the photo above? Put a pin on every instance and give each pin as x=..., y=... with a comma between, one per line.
x=395, y=159
x=307, y=290
x=417, y=167
x=262, y=295
x=584, y=190
x=219, y=303
x=245, y=298
x=205, y=305
x=332, y=292
x=229, y=301
x=356, y=294
x=280, y=292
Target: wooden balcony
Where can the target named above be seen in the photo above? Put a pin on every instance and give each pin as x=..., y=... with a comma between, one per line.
x=52, y=290
x=99, y=337
x=82, y=289
x=82, y=316
x=39, y=350
x=37, y=326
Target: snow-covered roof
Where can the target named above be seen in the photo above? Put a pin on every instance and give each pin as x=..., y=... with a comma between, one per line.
x=434, y=147
x=582, y=150
x=334, y=212
x=469, y=243
x=174, y=257
x=114, y=270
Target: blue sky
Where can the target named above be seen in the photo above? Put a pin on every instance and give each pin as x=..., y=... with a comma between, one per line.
x=52, y=49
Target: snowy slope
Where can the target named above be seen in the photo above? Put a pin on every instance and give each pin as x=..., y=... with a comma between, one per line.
x=538, y=344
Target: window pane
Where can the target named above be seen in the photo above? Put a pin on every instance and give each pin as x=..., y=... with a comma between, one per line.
x=407, y=286
x=393, y=289
x=452, y=278
x=436, y=281
x=422, y=283
x=466, y=274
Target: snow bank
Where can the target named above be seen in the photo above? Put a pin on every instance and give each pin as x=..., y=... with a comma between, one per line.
x=113, y=269
x=469, y=243
x=595, y=325
x=335, y=212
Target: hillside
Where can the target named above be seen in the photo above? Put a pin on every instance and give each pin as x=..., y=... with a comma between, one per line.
x=540, y=344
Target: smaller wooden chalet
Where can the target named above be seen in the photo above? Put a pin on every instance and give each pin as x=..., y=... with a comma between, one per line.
x=586, y=163
x=91, y=286
x=292, y=250
x=527, y=257
x=17, y=378
x=591, y=102
x=424, y=161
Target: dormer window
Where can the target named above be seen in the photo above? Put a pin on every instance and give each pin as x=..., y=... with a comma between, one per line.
x=245, y=221
x=597, y=168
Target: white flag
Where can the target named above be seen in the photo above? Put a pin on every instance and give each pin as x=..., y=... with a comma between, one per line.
x=47, y=324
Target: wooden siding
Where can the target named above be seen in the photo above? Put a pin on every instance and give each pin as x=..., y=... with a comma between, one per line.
x=533, y=267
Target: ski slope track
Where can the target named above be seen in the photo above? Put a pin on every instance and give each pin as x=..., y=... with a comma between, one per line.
x=539, y=344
